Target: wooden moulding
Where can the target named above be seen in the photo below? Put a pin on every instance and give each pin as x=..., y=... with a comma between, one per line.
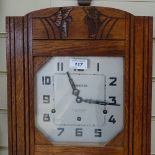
x=82, y=31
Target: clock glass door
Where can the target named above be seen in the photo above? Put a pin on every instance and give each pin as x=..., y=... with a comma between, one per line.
x=79, y=100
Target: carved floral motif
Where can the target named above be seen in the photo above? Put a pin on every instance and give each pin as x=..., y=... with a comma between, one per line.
x=56, y=25
x=99, y=25
x=62, y=21
x=88, y=22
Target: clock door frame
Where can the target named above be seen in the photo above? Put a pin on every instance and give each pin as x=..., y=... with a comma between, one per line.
x=27, y=42
x=115, y=146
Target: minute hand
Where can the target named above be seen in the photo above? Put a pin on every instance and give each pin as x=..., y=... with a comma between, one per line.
x=90, y=101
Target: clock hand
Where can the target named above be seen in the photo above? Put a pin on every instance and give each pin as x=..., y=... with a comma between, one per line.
x=79, y=99
x=113, y=104
x=76, y=91
x=90, y=101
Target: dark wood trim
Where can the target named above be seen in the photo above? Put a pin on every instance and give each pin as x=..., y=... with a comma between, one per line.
x=131, y=83
x=9, y=93
x=26, y=97
x=149, y=85
x=31, y=87
x=78, y=150
x=72, y=47
x=16, y=85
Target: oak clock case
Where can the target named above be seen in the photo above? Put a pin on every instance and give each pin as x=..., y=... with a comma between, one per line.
x=79, y=82
x=79, y=100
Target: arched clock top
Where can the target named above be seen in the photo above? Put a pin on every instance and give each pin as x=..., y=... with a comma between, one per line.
x=79, y=23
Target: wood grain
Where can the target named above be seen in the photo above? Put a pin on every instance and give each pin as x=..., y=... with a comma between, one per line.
x=26, y=95
x=141, y=73
x=18, y=93
x=71, y=47
x=39, y=62
x=79, y=150
x=79, y=23
x=131, y=41
x=9, y=93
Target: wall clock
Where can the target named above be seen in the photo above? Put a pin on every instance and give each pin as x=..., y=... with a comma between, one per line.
x=79, y=82
x=93, y=108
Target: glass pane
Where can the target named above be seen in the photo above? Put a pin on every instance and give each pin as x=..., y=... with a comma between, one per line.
x=79, y=100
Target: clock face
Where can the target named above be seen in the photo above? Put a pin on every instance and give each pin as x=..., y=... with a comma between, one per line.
x=79, y=100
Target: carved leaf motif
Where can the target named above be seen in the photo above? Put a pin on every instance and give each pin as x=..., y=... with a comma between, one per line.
x=99, y=25
x=56, y=25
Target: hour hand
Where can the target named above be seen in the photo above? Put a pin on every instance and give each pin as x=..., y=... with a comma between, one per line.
x=75, y=92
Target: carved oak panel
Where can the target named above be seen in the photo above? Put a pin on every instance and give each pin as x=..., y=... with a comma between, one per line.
x=91, y=23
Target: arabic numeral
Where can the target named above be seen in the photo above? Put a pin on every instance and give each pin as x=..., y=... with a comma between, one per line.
x=46, y=98
x=112, y=119
x=61, y=131
x=98, y=67
x=46, y=80
x=113, y=81
x=60, y=66
x=78, y=132
x=113, y=100
x=46, y=117
x=78, y=64
x=98, y=133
